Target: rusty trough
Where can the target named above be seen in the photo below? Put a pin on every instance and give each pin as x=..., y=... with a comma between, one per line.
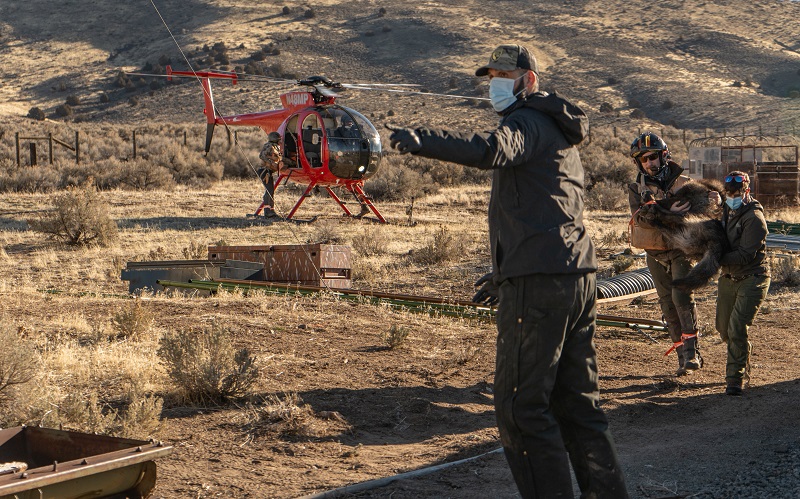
x=70, y=465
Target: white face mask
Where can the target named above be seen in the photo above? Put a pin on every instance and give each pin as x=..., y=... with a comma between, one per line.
x=501, y=92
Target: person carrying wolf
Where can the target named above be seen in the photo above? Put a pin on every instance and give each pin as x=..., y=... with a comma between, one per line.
x=546, y=394
x=659, y=178
x=270, y=155
x=745, y=276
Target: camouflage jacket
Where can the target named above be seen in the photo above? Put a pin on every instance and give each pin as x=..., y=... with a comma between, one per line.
x=747, y=235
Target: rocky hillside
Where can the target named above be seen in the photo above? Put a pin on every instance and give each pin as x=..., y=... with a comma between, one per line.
x=690, y=63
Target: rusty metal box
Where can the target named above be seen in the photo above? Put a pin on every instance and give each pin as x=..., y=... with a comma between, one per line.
x=327, y=265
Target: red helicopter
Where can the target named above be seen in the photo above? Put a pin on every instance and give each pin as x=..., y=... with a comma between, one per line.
x=318, y=147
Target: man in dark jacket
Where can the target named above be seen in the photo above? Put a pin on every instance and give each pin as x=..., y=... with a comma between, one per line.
x=546, y=383
x=659, y=178
x=745, y=276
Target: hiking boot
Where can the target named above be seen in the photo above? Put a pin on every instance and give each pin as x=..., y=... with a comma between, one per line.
x=734, y=388
x=681, y=362
x=269, y=213
x=364, y=211
x=691, y=353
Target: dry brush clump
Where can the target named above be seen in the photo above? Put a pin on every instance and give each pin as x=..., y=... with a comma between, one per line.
x=206, y=367
x=442, y=247
x=785, y=269
x=19, y=363
x=370, y=242
x=289, y=416
x=395, y=337
x=134, y=321
x=80, y=218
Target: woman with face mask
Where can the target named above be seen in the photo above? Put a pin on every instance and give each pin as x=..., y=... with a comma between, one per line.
x=745, y=277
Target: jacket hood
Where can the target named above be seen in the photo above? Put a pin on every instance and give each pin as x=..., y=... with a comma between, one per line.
x=571, y=119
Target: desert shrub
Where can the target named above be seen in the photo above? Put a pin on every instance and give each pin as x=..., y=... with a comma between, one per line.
x=286, y=10
x=634, y=102
x=395, y=336
x=606, y=107
x=309, y=14
x=145, y=175
x=280, y=416
x=638, y=114
x=622, y=263
x=73, y=100
x=442, y=247
x=36, y=114
x=18, y=362
x=785, y=269
x=195, y=251
x=325, y=232
x=33, y=179
x=134, y=321
x=370, y=242
x=607, y=196
x=382, y=12
x=64, y=110
x=86, y=413
x=667, y=104
x=104, y=98
x=612, y=80
x=206, y=367
x=80, y=217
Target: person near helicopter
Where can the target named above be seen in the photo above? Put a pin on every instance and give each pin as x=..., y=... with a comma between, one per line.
x=546, y=393
x=272, y=161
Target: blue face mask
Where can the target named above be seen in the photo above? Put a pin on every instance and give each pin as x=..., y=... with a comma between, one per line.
x=501, y=93
x=734, y=203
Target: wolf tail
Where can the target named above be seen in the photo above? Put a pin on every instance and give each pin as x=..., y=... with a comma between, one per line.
x=700, y=274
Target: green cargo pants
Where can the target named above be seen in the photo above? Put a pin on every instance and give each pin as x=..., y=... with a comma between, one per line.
x=737, y=304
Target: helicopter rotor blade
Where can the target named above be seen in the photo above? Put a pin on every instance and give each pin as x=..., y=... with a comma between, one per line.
x=417, y=92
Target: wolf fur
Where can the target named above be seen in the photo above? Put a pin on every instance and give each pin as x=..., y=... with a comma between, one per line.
x=699, y=233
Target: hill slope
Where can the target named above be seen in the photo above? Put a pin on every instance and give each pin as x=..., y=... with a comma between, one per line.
x=679, y=59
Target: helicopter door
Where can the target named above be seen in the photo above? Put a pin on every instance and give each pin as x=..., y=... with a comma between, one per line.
x=290, y=144
x=312, y=140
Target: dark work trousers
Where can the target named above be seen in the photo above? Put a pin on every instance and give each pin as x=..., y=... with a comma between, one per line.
x=737, y=305
x=265, y=174
x=672, y=299
x=546, y=389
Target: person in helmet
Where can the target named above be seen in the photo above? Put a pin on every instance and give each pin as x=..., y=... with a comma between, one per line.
x=745, y=276
x=270, y=155
x=658, y=178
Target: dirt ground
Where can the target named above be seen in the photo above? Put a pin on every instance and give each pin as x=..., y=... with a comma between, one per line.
x=358, y=410
x=363, y=411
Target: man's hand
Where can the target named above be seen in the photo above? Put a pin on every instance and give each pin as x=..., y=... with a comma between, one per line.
x=405, y=140
x=679, y=208
x=488, y=294
x=714, y=198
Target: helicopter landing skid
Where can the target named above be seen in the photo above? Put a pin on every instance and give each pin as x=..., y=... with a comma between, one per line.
x=364, y=201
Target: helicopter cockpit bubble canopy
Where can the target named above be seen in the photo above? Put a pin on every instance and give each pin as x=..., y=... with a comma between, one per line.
x=354, y=145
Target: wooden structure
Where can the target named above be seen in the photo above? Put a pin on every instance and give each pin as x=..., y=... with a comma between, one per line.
x=771, y=162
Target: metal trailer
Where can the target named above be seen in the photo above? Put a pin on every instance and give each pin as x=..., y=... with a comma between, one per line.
x=61, y=464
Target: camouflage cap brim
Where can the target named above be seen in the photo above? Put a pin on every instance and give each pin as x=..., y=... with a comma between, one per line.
x=509, y=58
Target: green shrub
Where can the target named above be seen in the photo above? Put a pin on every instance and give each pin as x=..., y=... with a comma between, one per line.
x=395, y=337
x=205, y=366
x=80, y=217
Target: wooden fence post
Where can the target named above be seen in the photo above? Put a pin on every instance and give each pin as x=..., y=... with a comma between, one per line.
x=16, y=141
x=33, y=153
x=134, y=144
x=50, y=146
x=77, y=148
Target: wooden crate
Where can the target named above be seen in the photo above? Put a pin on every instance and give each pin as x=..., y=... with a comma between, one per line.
x=327, y=265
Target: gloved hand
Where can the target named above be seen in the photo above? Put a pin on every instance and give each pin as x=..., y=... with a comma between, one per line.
x=405, y=140
x=489, y=293
x=648, y=196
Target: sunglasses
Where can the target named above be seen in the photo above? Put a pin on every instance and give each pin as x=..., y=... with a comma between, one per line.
x=649, y=157
x=735, y=178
